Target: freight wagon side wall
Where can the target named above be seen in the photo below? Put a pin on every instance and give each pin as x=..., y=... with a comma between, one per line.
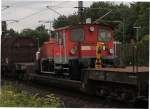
x=23, y=50
x=19, y=49
x=6, y=49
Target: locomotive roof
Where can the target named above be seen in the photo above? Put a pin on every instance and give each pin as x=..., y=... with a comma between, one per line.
x=71, y=26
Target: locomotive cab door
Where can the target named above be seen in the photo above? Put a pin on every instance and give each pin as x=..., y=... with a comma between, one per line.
x=58, y=48
x=61, y=54
x=61, y=48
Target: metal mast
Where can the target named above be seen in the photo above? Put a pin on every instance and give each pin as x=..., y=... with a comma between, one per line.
x=80, y=10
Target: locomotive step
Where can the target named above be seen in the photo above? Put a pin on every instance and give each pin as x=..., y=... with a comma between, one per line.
x=66, y=68
x=48, y=72
x=66, y=74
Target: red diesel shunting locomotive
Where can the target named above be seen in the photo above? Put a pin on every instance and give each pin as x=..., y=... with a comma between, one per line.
x=73, y=48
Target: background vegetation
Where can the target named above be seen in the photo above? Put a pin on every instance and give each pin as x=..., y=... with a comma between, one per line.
x=135, y=14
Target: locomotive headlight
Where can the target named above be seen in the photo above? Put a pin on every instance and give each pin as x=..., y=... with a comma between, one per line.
x=104, y=47
x=73, y=51
x=91, y=28
x=37, y=55
x=111, y=51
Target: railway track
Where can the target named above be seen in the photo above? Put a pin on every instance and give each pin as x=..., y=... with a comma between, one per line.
x=71, y=98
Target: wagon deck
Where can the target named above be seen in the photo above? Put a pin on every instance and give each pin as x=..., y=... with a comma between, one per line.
x=128, y=69
x=119, y=75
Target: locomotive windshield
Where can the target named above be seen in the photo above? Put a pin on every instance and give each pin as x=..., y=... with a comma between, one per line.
x=104, y=35
x=77, y=34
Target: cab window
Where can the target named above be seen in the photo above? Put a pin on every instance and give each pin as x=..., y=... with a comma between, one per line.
x=59, y=37
x=104, y=35
x=77, y=34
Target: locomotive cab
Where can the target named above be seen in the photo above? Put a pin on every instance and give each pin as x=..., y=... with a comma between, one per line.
x=74, y=48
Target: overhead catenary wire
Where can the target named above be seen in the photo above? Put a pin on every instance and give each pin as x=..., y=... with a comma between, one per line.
x=103, y=16
x=32, y=14
x=34, y=26
x=53, y=10
x=21, y=19
x=39, y=12
x=59, y=4
x=23, y=3
x=26, y=17
x=61, y=7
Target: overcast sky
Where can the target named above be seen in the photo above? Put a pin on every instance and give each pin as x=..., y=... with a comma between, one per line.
x=29, y=12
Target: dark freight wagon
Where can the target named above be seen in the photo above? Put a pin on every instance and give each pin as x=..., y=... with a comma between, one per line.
x=16, y=51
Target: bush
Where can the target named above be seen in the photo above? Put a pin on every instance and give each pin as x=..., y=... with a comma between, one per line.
x=12, y=97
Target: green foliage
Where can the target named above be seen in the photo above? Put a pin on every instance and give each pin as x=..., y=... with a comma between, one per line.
x=60, y=22
x=137, y=14
x=145, y=38
x=10, y=33
x=143, y=52
x=12, y=97
x=73, y=19
x=141, y=12
x=40, y=33
x=64, y=21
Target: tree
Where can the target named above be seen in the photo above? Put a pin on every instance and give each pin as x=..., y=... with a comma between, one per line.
x=28, y=33
x=137, y=14
x=11, y=33
x=64, y=21
x=60, y=22
x=73, y=19
x=40, y=33
x=41, y=28
x=141, y=12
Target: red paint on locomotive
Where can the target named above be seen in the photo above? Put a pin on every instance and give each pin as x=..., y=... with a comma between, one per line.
x=77, y=42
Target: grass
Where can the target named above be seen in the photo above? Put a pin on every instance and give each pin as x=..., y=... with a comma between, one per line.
x=13, y=97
